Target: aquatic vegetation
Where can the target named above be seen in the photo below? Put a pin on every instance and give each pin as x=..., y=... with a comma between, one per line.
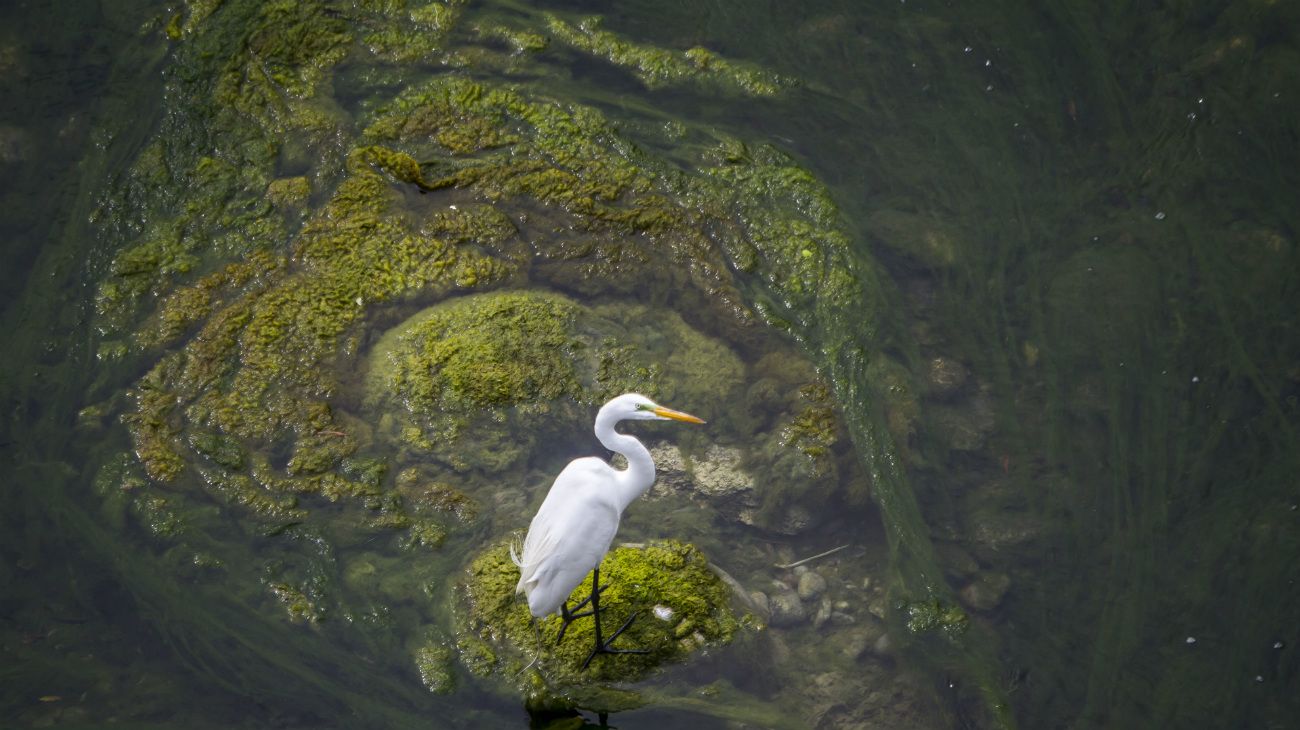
x=415, y=35
x=924, y=241
x=658, y=67
x=1105, y=241
x=265, y=328
x=434, y=662
x=936, y=616
x=350, y=318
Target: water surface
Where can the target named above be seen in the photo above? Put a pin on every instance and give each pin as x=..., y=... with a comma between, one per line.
x=1077, y=231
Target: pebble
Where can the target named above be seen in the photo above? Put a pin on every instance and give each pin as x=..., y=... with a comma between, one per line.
x=823, y=613
x=787, y=609
x=840, y=618
x=811, y=586
x=883, y=646
x=861, y=639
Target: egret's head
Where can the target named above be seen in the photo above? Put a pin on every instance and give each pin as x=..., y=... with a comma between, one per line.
x=634, y=407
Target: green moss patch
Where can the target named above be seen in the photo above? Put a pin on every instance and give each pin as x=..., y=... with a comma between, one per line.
x=475, y=380
x=681, y=604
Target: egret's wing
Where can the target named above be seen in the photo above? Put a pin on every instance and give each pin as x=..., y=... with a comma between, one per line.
x=569, y=535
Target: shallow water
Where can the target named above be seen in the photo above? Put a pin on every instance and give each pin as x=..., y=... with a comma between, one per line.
x=1083, y=225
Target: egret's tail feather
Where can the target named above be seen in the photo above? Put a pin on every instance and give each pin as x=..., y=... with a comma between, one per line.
x=524, y=572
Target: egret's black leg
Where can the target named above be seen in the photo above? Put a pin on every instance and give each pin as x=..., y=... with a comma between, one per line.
x=602, y=646
x=568, y=616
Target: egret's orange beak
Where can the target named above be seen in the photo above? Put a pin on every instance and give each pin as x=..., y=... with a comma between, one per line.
x=675, y=415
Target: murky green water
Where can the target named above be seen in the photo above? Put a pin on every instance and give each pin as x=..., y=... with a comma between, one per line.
x=1066, y=366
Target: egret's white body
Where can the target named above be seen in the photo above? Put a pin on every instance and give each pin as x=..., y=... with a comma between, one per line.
x=577, y=521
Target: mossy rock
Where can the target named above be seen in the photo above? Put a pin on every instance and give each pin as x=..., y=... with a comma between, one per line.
x=476, y=380
x=681, y=606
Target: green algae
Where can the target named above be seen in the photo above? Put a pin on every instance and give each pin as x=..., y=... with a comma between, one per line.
x=434, y=662
x=923, y=240
x=267, y=90
x=659, y=67
x=895, y=389
x=485, y=352
x=936, y=616
x=259, y=274
x=472, y=381
x=397, y=33
x=288, y=192
x=253, y=369
x=814, y=429
x=692, y=613
x=355, y=253
x=1236, y=369
x=519, y=40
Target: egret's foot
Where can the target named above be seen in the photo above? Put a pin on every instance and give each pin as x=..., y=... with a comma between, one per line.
x=603, y=647
x=567, y=617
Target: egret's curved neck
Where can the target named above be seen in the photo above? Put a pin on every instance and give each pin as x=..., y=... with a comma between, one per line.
x=633, y=481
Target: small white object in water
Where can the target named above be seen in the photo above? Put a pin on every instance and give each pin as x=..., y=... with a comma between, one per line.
x=1191, y=640
x=663, y=613
x=1160, y=215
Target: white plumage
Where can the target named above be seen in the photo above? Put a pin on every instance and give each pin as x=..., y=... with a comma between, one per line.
x=577, y=521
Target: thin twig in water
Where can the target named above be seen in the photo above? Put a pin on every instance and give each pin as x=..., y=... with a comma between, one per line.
x=811, y=558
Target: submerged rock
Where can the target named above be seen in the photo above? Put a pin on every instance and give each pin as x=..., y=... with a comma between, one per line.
x=944, y=376
x=786, y=608
x=923, y=239
x=985, y=591
x=811, y=585
x=473, y=381
x=718, y=474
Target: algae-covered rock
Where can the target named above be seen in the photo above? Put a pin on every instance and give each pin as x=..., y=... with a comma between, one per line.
x=474, y=381
x=434, y=663
x=289, y=191
x=484, y=351
x=682, y=606
x=801, y=463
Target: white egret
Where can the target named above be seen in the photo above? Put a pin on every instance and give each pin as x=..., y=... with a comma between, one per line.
x=577, y=521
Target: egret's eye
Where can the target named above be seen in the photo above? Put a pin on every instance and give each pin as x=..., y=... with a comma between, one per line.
x=644, y=407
